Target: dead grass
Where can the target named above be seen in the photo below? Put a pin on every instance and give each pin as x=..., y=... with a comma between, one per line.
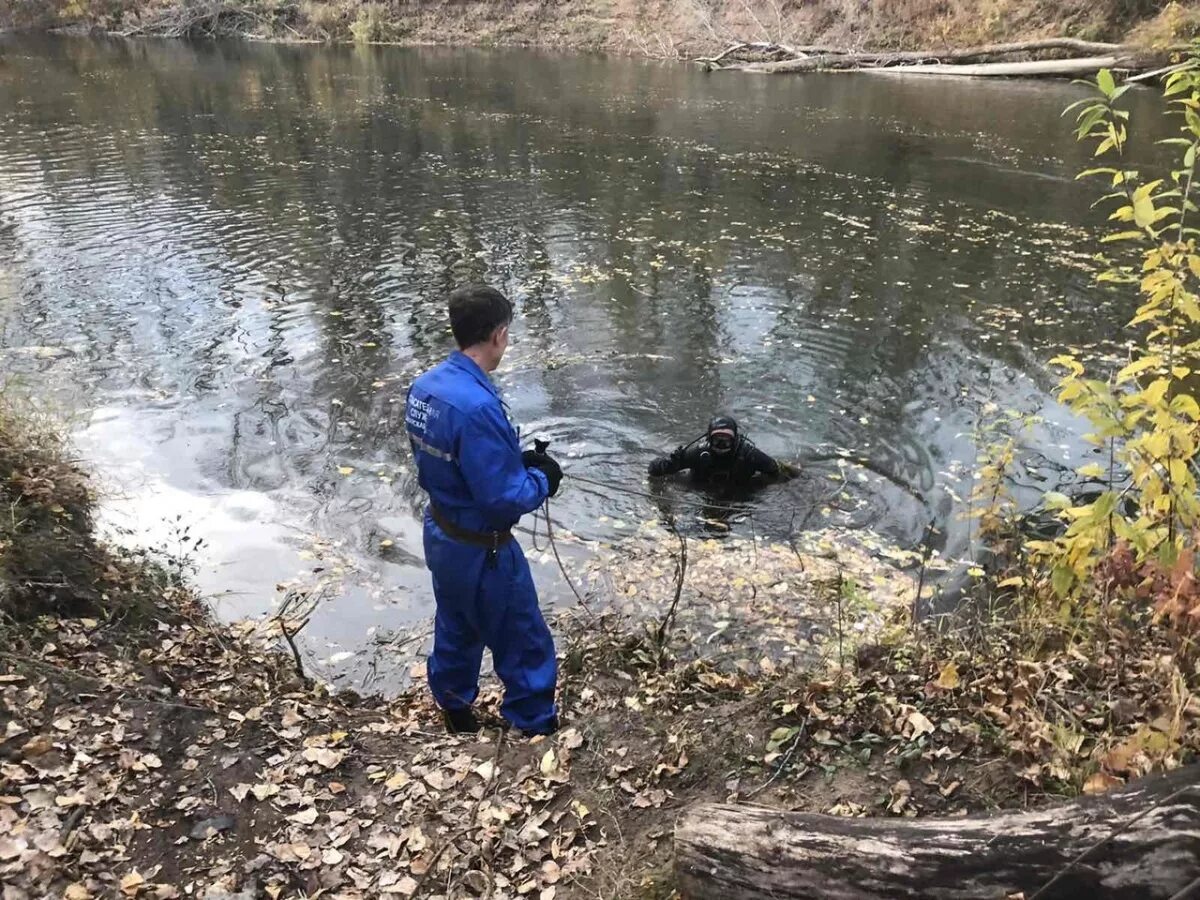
x=1176, y=23
x=50, y=560
x=46, y=549
x=661, y=28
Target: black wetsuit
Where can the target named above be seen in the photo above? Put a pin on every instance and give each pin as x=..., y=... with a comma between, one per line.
x=738, y=466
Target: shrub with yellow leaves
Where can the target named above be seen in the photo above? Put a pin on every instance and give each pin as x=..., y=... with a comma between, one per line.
x=1146, y=415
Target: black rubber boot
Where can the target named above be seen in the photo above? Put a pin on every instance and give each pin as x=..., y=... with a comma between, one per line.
x=461, y=721
x=551, y=727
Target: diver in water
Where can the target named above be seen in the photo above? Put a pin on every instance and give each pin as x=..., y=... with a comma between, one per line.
x=720, y=455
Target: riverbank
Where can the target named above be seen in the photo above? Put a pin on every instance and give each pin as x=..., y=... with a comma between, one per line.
x=151, y=751
x=666, y=28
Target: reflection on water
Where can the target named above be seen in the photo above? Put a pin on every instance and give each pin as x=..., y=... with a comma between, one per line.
x=228, y=261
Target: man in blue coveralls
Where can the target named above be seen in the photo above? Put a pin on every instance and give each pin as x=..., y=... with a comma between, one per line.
x=480, y=484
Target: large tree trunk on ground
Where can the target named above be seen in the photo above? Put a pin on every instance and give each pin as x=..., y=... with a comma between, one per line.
x=1140, y=842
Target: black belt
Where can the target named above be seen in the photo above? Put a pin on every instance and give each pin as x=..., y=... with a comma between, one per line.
x=490, y=540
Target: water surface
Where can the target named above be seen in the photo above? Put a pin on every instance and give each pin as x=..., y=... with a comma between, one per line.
x=226, y=262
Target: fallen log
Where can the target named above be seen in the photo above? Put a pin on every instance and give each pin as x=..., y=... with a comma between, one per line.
x=1044, y=68
x=877, y=58
x=1142, y=842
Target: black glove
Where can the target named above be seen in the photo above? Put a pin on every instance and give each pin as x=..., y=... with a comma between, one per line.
x=666, y=465
x=546, y=464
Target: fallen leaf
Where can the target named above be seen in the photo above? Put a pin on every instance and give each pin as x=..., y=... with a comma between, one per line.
x=11, y=849
x=131, y=884
x=1101, y=782
x=37, y=746
x=948, y=678
x=304, y=817
x=921, y=725
x=240, y=791
x=900, y=794
x=397, y=781
x=330, y=759
x=406, y=886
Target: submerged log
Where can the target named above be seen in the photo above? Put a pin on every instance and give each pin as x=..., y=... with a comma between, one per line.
x=1142, y=841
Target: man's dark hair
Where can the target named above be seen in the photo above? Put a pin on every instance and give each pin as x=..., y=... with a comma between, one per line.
x=477, y=310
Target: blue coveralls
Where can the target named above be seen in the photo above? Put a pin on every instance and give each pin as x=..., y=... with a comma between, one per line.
x=469, y=461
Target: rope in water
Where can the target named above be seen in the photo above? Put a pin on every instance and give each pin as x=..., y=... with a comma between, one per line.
x=545, y=511
x=646, y=495
x=558, y=559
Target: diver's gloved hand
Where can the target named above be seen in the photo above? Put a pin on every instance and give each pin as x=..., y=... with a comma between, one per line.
x=666, y=465
x=547, y=465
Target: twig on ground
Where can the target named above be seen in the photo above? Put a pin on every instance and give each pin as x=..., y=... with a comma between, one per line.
x=287, y=636
x=926, y=551
x=680, y=573
x=783, y=763
x=461, y=833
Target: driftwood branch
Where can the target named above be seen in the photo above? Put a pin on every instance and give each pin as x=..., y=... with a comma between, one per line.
x=1142, y=841
x=297, y=606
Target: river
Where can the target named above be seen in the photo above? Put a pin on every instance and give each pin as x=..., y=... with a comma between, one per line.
x=223, y=264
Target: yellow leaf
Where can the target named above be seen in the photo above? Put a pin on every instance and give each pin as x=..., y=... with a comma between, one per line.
x=1091, y=470
x=1156, y=444
x=1143, y=211
x=1154, y=394
x=948, y=678
x=1015, y=581
x=345, y=470
x=1179, y=472
x=397, y=781
x=1068, y=362
x=1139, y=365
x=1185, y=405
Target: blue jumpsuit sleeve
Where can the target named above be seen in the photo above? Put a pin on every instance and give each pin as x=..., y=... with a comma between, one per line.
x=490, y=464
